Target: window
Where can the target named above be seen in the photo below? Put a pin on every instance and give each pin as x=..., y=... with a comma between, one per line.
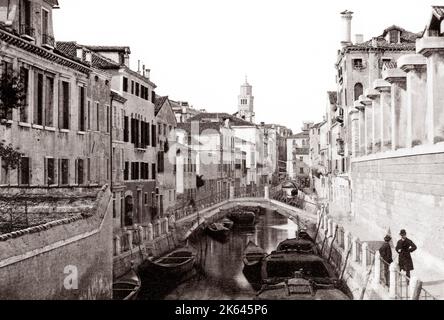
x=394, y=36
x=107, y=119
x=153, y=135
x=357, y=63
x=49, y=171
x=301, y=170
x=64, y=105
x=49, y=101
x=132, y=87
x=81, y=109
x=160, y=161
x=153, y=171
x=125, y=129
x=89, y=115
x=135, y=171
x=45, y=26
x=24, y=75
x=64, y=172
x=125, y=84
x=88, y=169
x=24, y=171
x=358, y=91
x=126, y=171
x=301, y=158
x=137, y=89
x=146, y=198
x=97, y=116
x=79, y=172
x=38, y=112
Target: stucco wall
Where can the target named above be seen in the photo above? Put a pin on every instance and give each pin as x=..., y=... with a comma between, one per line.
x=32, y=265
x=404, y=193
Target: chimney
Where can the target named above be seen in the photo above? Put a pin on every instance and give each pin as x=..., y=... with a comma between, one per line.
x=138, y=66
x=143, y=70
x=359, y=38
x=88, y=56
x=79, y=53
x=346, y=19
x=147, y=73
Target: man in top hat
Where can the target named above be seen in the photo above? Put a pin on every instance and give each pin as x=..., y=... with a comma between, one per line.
x=404, y=247
x=386, y=254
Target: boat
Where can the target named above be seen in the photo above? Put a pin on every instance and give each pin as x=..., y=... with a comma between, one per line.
x=303, y=234
x=241, y=217
x=300, y=288
x=218, y=231
x=127, y=287
x=282, y=265
x=298, y=245
x=252, y=260
x=253, y=255
x=172, y=267
x=227, y=223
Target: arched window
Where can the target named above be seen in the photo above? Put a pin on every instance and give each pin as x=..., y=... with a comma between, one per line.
x=359, y=90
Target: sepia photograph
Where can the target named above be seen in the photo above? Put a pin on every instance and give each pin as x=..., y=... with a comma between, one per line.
x=238, y=152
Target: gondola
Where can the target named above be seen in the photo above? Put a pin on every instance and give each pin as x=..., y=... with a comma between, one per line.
x=171, y=267
x=253, y=256
x=127, y=287
x=252, y=260
x=218, y=231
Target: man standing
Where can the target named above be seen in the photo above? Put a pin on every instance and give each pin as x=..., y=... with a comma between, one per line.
x=386, y=254
x=404, y=247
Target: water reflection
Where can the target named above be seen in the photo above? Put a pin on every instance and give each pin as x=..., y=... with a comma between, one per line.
x=221, y=265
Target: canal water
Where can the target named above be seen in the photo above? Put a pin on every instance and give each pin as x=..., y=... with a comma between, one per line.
x=220, y=267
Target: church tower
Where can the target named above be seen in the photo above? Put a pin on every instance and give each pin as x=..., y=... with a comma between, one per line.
x=246, y=102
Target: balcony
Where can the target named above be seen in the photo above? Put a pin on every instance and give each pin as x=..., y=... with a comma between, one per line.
x=27, y=32
x=48, y=41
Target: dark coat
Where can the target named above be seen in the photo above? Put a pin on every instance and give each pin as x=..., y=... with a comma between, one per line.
x=404, y=248
x=386, y=252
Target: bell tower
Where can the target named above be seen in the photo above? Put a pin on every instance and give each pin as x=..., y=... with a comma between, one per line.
x=246, y=102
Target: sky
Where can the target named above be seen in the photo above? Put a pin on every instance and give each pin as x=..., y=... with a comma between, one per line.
x=201, y=50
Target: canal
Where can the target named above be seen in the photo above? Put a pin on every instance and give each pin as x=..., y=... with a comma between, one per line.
x=219, y=272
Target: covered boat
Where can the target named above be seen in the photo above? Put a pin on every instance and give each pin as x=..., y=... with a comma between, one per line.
x=282, y=265
x=299, y=288
x=242, y=217
x=127, y=287
x=298, y=245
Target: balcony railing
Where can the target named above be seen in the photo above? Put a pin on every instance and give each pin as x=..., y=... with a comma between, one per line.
x=48, y=41
x=26, y=31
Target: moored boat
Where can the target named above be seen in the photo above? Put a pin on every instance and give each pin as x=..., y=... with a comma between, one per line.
x=172, y=267
x=299, y=288
x=298, y=245
x=253, y=255
x=127, y=287
x=227, y=223
x=217, y=231
x=241, y=217
x=282, y=265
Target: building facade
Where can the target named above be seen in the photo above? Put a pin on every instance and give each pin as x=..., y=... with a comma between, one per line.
x=166, y=154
